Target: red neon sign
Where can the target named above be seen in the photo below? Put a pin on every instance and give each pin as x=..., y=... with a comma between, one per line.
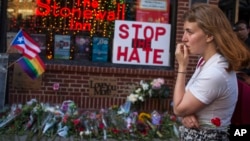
x=48, y=8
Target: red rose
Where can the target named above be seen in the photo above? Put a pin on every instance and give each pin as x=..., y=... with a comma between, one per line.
x=115, y=131
x=173, y=117
x=216, y=121
x=76, y=122
x=101, y=125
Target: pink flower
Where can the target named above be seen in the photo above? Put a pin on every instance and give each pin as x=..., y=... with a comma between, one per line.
x=216, y=121
x=65, y=119
x=156, y=83
x=56, y=86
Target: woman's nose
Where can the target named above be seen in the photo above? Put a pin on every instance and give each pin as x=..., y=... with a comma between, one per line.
x=184, y=38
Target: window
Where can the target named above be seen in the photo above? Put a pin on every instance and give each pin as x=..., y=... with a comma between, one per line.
x=89, y=19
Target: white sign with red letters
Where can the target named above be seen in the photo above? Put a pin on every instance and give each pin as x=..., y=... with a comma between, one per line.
x=141, y=43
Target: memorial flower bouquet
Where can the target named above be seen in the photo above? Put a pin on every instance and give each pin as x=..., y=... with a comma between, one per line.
x=155, y=88
x=39, y=120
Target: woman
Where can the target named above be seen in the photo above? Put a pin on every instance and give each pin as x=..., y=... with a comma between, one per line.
x=207, y=102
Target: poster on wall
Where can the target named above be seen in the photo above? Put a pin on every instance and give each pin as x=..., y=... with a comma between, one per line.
x=100, y=49
x=40, y=39
x=141, y=43
x=82, y=50
x=153, y=11
x=62, y=47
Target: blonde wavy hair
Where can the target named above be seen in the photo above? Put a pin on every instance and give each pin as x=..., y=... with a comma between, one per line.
x=214, y=22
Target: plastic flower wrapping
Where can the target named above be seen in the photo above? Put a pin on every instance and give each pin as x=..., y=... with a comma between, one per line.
x=45, y=120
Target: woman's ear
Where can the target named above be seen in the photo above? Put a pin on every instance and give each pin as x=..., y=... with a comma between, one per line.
x=210, y=38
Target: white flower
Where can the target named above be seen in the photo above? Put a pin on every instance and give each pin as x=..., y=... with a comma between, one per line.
x=141, y=98
x=50, y=109
x=141, y=82
x=132, y=97
x=87, y=132
x=32, y=101
x=145, y=86
x=81, y=133
x=146, y=90
x=138, y=90
x=150, y=93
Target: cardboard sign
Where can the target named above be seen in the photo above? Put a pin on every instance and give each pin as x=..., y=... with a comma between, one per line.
x=141, y=43
x=102, y=86
x=22, y=81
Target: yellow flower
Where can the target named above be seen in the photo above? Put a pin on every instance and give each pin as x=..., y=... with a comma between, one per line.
x=142, y=116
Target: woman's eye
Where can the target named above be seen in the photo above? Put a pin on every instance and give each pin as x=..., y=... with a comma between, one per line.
x=189, y=32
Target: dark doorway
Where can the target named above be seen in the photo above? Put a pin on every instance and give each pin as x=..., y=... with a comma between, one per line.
x=244, y=10
x=236, y=9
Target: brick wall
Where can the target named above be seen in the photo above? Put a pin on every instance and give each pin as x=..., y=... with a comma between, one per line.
x=74, y=81
x=74, y=85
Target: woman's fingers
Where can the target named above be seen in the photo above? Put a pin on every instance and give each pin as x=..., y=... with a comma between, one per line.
x=185, y=51
x=190, y=122
x=179, y=48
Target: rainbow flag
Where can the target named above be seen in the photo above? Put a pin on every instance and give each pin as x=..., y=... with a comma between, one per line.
x=33, y=67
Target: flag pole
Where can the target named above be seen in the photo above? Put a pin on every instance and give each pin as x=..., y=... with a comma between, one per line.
x=14, y=62
x=7, y=51
x=10, y=46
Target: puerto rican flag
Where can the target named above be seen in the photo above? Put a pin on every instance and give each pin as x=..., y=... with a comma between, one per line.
x=25, y=44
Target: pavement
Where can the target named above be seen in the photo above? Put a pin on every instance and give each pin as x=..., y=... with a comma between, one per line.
x=26, y=138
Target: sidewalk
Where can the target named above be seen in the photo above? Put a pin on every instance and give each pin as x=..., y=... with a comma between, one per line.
x=24, y=138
